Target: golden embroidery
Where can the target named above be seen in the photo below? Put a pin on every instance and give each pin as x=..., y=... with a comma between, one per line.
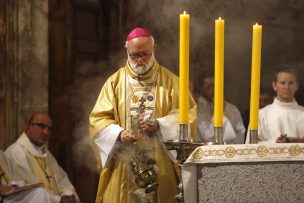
x=295, y=150
x=230, y=152
x=135, y=99
x=262, y=151
x=198, y=154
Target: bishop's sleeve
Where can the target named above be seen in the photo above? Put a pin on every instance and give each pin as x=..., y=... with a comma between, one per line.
x=103, y=112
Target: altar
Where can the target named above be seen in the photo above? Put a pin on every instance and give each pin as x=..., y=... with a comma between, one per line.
x=245, y=173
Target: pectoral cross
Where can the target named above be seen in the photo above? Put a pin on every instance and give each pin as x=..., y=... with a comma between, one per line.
x=47, y=176
x=142, y=105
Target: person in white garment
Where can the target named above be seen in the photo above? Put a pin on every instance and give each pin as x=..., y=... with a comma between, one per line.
x=35, y=163
x=266, y=98
x=10, y=183
x=233, y=129
x=283, y=120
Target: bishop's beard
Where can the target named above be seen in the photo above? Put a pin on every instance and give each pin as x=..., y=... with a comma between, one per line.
x=142, y=69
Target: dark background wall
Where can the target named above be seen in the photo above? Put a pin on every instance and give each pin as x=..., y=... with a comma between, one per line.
x=2, y=72
x=86, y=44
x=282, y=37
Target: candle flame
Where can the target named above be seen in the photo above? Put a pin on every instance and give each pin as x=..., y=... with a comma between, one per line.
x=256, y=24
x=185, y=12
x=220, y=18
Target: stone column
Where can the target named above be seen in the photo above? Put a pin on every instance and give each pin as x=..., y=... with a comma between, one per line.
x=27, y=62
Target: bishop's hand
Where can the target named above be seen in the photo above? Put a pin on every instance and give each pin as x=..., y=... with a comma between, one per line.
x=148, y=126
x=126, y=137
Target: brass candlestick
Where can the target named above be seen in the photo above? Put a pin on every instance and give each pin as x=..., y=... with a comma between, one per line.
x=218, y=135
x=253, y=136
x=183, y=132
x=184, y=147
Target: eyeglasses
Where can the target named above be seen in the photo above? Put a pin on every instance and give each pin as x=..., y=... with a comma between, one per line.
x=42, y=126
x=135, y=56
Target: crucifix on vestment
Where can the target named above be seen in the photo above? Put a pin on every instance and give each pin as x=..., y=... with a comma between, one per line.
x=43, y=165
x=142, y=105
x=47, y=176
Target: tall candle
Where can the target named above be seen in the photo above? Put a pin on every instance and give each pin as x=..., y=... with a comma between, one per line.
x=184, y=68
x=219, y=73
x=255, y=76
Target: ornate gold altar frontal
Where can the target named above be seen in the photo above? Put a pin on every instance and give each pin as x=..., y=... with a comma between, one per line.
x=247, y=153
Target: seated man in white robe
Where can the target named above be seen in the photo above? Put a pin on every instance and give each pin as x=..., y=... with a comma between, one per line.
x=35, y=163
x=282, y=121
x=10, y=188
x=233, y=128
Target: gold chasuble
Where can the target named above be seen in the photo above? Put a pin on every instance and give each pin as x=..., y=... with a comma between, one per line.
x=123, y=99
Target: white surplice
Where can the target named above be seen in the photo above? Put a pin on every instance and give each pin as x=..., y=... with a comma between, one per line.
x=280, y=118
x=233, y=127
x=20, y=154
x=33, y=195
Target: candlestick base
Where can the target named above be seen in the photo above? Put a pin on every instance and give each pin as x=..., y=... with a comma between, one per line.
x=253, y=136
x=218, y=135
x=183, y=147
x=183, y=132
x=183, y=150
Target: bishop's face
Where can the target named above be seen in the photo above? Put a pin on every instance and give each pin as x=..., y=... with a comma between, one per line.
x=285, y=86
x=140, y=54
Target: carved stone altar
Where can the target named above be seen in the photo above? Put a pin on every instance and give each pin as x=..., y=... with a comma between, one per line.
x=251, y=182
x=245, y=173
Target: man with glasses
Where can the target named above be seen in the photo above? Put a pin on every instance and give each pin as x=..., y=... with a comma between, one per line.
x=35, y=163
x=233, y=129
x=137, y=108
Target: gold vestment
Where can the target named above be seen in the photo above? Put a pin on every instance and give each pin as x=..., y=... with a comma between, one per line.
x=112, y=108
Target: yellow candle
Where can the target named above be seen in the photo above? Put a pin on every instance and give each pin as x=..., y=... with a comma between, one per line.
x=184, y=68
x=255, y=76
x=219, y=73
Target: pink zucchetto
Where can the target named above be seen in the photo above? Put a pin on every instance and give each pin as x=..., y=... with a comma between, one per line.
x=138, y=32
